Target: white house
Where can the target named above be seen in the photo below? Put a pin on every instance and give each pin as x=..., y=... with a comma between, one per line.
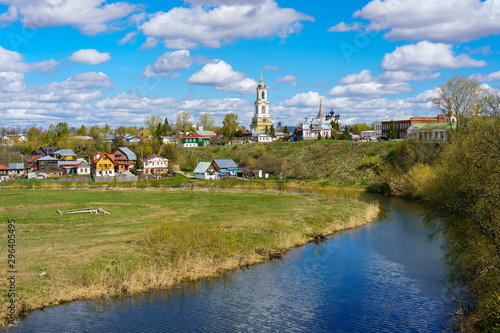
x=155, y=165
x=263, y=138
x=206, y=170
x=83, y=168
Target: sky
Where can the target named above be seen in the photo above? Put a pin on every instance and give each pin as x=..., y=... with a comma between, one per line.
x=117, y=62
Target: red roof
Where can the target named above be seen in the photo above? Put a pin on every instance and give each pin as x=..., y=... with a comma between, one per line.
x=34, y=158
x=193, y=136
x=3, y=167
x=99, y=155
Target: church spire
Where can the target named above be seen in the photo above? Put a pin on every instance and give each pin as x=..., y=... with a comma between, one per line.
x=261, y=80
x=320, y=113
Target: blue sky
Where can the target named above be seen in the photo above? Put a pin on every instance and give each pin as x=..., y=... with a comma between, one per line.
x=117, y=62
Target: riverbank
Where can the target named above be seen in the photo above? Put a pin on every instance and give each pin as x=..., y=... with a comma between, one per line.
x=156, y=238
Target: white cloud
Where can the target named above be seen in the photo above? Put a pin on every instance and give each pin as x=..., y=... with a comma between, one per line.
x=90, y=57
x=128, y=38
x=272, y=68
x=212, y=27
x=217, y=72
x=486, y=78
x=426, y=56
x=343, y=27
x=436, y=20
x=12, y=61
x=9, y=16
x=371, y=89
x=150, y=43
x=12, y=82
x=45, y=66
x=90, y=16
x=287, y=78
x=387, y=77
x=221, y=76
x=169, y=62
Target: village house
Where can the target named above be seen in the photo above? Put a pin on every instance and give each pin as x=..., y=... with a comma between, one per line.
x=170, y=140
x=4, y=170
x=45, y=151
x=226, y=167
x=155, y=165
x=48, y=165
x=65, y=155
x=264, y=138
x=206, y=170
x=195, y=140
x=16, y=170
x=104, y=165
x=83, y=168
x=124, y=158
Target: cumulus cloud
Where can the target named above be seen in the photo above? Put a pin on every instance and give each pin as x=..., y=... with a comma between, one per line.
x=12, y=61
x=290, y=79
x=187, y=27
x=343, y=27
x=486, y=77
x=365, y=76
x=150, y=43
x=221, y=76
x=426, y=56
x=435, y=20
x=128, y=38
x=371, y=89
x=9, y=16
x=272, y=68
x=169, y=62
x=90, y=57
x=90, y=17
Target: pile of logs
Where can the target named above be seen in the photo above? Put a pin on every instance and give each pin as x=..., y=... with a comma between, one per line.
x=98, y=211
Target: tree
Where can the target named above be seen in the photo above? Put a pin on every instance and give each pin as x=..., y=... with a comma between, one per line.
x=392, y=134
x=82, y=131
x=358, y=128
x=460, y=96
x=138, y=164
x=230, y=126
x=166, y=126
x=272, y=132
x=207, y=122
x=34, y=138
x=319, y=136
x=266, y=130
x=286, y=130
x=152, y=122
x=183, y=123
x=170, y=151
x=345, y=135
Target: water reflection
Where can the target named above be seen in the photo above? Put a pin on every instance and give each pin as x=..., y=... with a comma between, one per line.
x=384, y=277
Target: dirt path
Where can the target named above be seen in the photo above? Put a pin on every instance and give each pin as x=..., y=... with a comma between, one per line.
x=177, y=169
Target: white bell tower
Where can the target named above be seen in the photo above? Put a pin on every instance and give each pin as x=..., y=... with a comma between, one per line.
x=262, y=118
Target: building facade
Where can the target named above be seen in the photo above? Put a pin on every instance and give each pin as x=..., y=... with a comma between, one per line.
x=313, y=128
x=262, y=117
x=195, y=140
x=155, y=165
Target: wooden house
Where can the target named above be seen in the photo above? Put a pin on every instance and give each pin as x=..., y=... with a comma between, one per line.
x=104, y=165
x=124, y=158
x=48, y=165
x=195, y=140
x=65, y=155
x=226, y=167
x=206, y=170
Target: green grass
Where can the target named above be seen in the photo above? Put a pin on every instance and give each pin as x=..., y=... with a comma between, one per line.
x=155, y=238
x=337, y=163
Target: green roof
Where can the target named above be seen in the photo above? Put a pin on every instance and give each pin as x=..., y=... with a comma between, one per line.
x=435, y=126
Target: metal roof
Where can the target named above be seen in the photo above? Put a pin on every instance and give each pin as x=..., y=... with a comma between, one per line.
x=130, y=154
x=47, y=158
x=16, y=166
x=225, y=164
x=67, y=163
x=202, y=167
x=435, y=126
x=65, y=152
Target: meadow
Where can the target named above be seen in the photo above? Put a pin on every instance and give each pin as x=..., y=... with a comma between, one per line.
x=156, y=238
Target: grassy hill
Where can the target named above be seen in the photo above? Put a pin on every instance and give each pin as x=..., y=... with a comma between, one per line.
x=338, y=163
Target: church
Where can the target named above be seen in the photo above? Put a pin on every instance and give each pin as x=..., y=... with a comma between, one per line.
x=261, y=118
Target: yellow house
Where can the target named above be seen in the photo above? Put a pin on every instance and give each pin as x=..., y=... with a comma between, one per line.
x=104, y=165
x=65, y=155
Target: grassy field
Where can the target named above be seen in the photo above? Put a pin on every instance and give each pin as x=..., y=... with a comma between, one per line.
x=154, y=238
x=337, y=163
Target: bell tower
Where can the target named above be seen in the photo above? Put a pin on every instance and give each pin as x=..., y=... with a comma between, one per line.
x=261, y=118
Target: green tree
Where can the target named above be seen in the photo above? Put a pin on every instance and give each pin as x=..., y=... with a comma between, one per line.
x=391, y=133
x=207, y=122
x=230, y=126
x=345, y=135
x=183, y=123
x=460, y=96
x=34, y=137
x=285, y=130
x=171, y=152
x=166, y=126
x=138, y=164
x=272, y=132
x=266, y=130
x=82, y=131
x=152, y=122
x=319, y=136
x=358, y=128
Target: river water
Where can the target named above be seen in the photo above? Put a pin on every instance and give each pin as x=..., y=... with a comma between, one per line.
x=383, y=277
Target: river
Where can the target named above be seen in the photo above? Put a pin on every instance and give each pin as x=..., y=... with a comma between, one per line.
x=383, y=277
